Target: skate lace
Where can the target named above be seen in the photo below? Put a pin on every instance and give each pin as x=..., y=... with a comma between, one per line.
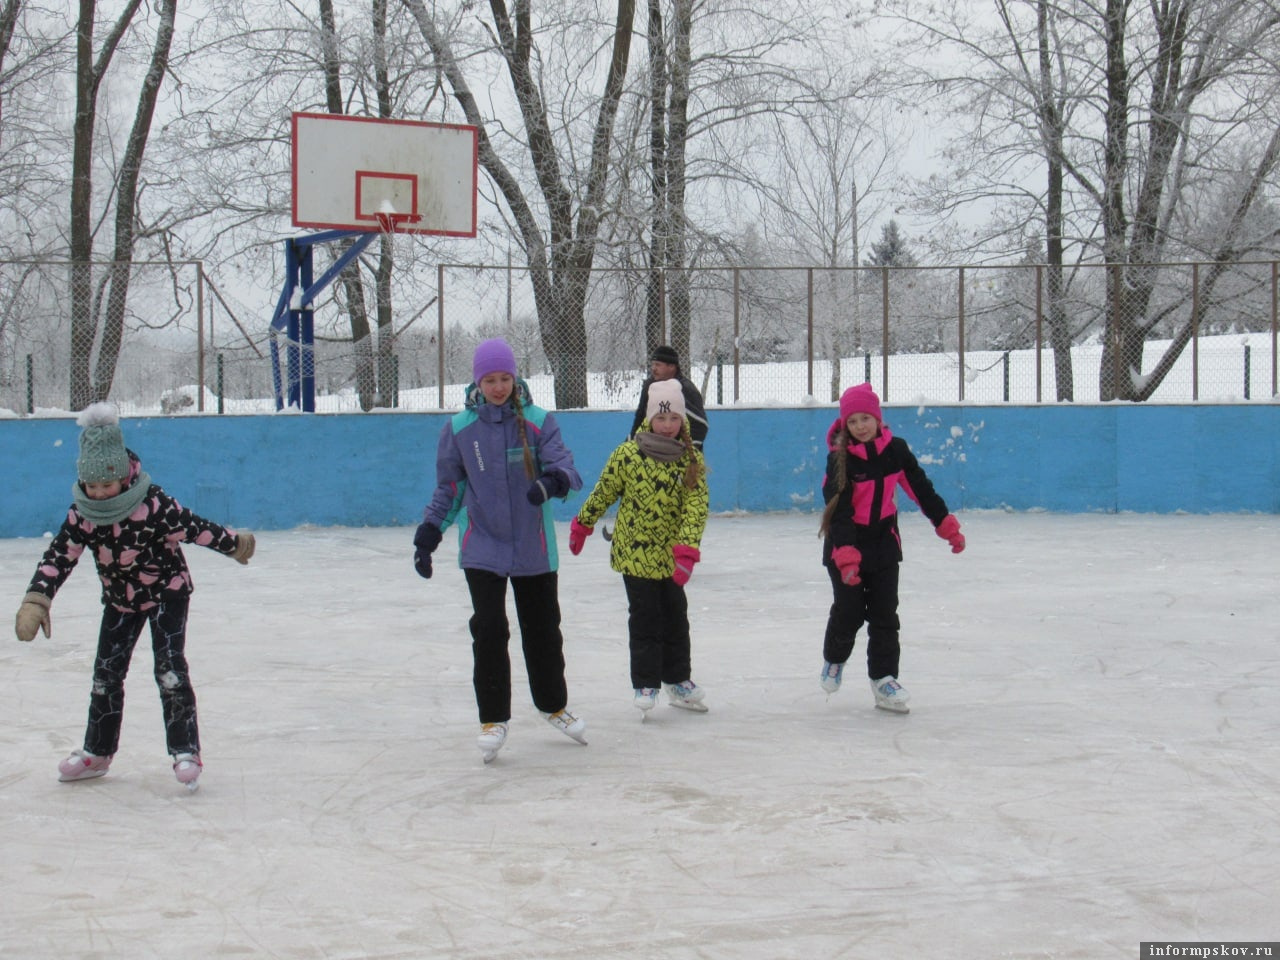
x=563, y=719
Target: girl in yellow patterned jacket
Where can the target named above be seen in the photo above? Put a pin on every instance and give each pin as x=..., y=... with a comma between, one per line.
x=659, y=480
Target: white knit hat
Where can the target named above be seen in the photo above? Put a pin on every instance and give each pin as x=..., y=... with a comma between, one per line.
x=665, y=396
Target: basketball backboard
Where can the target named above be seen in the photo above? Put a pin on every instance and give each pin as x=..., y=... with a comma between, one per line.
x=362, y=173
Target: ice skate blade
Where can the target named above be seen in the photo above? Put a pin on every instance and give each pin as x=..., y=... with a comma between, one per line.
x=888, y=708
x=193, y=786
x=692, y=707
x=488, y=756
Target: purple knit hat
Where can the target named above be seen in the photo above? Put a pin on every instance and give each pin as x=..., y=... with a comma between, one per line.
x=860, y=399
x=493, y=356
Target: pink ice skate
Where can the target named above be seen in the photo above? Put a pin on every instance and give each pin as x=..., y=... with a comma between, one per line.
x=82, y=765
x=187, y=767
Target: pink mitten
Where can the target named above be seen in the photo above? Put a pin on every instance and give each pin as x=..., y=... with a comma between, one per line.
x=578, y=534
x=686, y=557
x=949, y=530
x=847, y=560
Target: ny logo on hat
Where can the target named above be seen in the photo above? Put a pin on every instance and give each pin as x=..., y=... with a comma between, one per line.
x=664, y=406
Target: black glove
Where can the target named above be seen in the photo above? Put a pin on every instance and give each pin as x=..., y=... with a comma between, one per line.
x=553, y=484
x=425, y=542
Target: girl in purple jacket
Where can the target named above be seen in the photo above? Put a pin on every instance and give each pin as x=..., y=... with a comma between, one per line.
x=499, y=463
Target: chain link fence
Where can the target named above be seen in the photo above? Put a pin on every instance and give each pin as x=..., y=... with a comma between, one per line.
x=752, y=336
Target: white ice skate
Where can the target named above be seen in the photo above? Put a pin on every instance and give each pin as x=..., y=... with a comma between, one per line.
x=832, y=673
x=686, y=695
x=573, y=727
x=187, y=767
x=492, y=737
x=645, y=699
x=891, y=695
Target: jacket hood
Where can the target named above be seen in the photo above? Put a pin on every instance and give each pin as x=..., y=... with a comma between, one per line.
x=475, y=398
x=881, y=439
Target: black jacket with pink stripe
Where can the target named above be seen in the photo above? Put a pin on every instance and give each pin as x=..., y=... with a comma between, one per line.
x=866, y=515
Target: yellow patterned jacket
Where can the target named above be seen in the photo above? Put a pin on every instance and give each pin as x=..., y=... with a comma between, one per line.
x=656, y=510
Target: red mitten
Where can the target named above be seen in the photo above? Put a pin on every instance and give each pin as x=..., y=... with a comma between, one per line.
x=686, y=557
x=949, y=530
x=578, y=533
x=847, y=561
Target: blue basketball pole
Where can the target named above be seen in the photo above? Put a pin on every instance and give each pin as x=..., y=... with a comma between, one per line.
x=295, y=314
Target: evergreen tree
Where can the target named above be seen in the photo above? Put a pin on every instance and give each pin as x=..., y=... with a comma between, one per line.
x=891, y=249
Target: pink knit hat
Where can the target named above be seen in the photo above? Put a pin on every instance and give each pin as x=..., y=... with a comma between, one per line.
x=860, y=399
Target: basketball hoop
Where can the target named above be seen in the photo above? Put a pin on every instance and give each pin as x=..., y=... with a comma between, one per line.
x=391, y=223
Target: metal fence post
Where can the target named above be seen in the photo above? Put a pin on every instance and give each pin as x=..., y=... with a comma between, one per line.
x=440, y=327
x=1246, y=371
x=1275, y=302
x=884, y=333
x=200, y=341
x=1039, y=328
x=737, y=331
x=1195, y=331
x=809, y=326
x=31, y=387
x=959, y=335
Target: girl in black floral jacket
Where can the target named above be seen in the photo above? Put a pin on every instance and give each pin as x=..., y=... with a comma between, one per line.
x=134, y=531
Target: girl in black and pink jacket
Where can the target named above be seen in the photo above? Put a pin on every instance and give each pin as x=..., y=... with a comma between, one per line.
x=133, y=531
x=861, y=545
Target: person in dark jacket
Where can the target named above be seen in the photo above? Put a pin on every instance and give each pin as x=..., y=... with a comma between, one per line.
x=664, y=364
x=133, y=531
x=498, y=465
x=861, y=546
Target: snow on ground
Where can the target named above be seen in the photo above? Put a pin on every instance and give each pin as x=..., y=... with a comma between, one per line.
x=1092, y=760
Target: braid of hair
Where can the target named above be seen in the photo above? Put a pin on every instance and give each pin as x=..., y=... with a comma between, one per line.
x=694, y=470
x=530, y=471
x=842, y=482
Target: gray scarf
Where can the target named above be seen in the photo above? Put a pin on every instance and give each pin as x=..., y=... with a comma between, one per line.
x=114, y=509
x=666, y=449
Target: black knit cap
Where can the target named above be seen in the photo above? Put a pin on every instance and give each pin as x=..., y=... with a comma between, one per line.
x=665, y=354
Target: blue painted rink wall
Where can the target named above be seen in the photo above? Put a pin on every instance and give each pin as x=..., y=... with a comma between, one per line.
x=287, y=470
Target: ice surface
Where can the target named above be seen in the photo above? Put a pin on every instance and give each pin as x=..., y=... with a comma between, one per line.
x=1091, y=760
